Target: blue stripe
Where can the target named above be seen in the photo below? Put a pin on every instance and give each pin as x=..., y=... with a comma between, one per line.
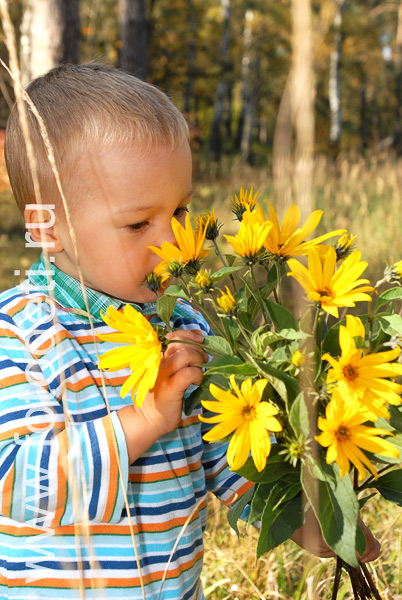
x=97, y=460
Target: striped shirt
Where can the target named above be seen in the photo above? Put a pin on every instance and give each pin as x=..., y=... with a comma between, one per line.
x=76, y=520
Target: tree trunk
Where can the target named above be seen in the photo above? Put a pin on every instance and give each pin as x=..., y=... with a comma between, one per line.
x=71, y=32
x=215, y=141
x=246, y=68
x=363, y=115
x=249, y=115
x=397, y=134
x=50, y=35
x=334, y=88
x=134, y=35
x=191, y=54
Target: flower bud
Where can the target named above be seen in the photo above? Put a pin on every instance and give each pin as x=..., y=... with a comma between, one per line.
x=203, y=280
x=227, y=302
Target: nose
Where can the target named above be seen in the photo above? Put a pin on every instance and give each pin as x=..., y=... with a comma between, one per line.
x=168, y=235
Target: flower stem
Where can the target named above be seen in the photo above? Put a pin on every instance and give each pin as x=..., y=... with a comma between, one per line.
x=279, y=284
x=225, y=264
x=337, y=579
x=245, y=334
x=370, y=581
x=260, y=298
x=207, y=316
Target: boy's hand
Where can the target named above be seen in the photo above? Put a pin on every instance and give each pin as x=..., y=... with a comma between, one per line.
x=181, y=366
x=310, y=538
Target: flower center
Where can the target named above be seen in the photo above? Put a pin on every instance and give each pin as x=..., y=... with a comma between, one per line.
x=249, y=413
x=349, y=372
x=343, y=433
x=326, y=293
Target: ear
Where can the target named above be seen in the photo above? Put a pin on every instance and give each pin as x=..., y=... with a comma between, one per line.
x=40, y=223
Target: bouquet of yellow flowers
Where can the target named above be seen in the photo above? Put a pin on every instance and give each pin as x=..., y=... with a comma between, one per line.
x=306, y=395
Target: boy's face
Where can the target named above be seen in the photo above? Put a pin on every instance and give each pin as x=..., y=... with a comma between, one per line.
x=129, y=200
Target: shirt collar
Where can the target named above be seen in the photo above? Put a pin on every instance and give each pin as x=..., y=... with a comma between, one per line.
x=67, y=292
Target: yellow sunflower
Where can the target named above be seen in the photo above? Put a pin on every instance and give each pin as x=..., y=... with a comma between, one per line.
x=244, y=416
x=245, y=201
x=142, y=354
x=190, y=247
x=250, y=237
x=329, y=287
x=289, y=239
x=345, y=436
x=362, y=377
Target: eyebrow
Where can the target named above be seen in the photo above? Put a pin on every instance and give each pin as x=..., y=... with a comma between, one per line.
x=141, y=207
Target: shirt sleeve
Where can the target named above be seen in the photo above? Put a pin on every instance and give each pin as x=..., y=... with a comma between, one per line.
x=54, y=470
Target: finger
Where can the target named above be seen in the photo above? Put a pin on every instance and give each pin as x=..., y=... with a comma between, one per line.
x=185, y=334
x=372, y=550
x=184, y=377
x=172, y=348
x=180, y=360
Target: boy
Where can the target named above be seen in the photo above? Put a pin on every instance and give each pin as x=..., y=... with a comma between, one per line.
x=99, y=505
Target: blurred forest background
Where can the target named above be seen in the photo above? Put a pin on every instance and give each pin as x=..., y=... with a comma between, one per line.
x=301, y=99
x=227, y=64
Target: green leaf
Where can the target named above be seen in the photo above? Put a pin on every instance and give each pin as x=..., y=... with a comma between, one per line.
x=230, y=365
x=298, y=417
x=390, y=486
x=284, y=384
x=213, y=344
x=365, y=499
x=391, y=324
x=176, y=291
x=336, y=508
x=236, y=510
x=275, y=468
x=360, y=540
x=230, y=258
x=232, y=329
x=331, y=340
x=395, y=418
x=281, y=317
x=388, y=296
x=223, y=272
x=279, y=524
x=165, y=306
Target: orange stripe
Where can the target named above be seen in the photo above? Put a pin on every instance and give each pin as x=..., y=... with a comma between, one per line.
x=26, y=430
x=61, y=478
x=8, y=493
x=163, y=475
x=239, y=493
x=103, y=582
x=13, y=380
x=113, y=529
x=20, y=305
x=113, y=470
x=9, y=334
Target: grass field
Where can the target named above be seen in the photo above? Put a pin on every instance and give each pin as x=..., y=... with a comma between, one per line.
x=363, y=196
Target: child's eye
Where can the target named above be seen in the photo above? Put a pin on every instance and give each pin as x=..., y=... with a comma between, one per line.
x=181, y=211
x=137, y=226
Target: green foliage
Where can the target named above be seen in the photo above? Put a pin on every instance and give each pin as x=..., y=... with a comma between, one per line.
x=335, y=506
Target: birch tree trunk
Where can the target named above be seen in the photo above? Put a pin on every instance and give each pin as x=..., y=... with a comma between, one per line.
x=50, y=35
x=334, y=84
x=134, y=28
x=215, y=141
x=249, y=114
x=245, y=70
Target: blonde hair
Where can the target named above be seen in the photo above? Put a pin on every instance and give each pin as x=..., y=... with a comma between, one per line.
x=85, y=107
